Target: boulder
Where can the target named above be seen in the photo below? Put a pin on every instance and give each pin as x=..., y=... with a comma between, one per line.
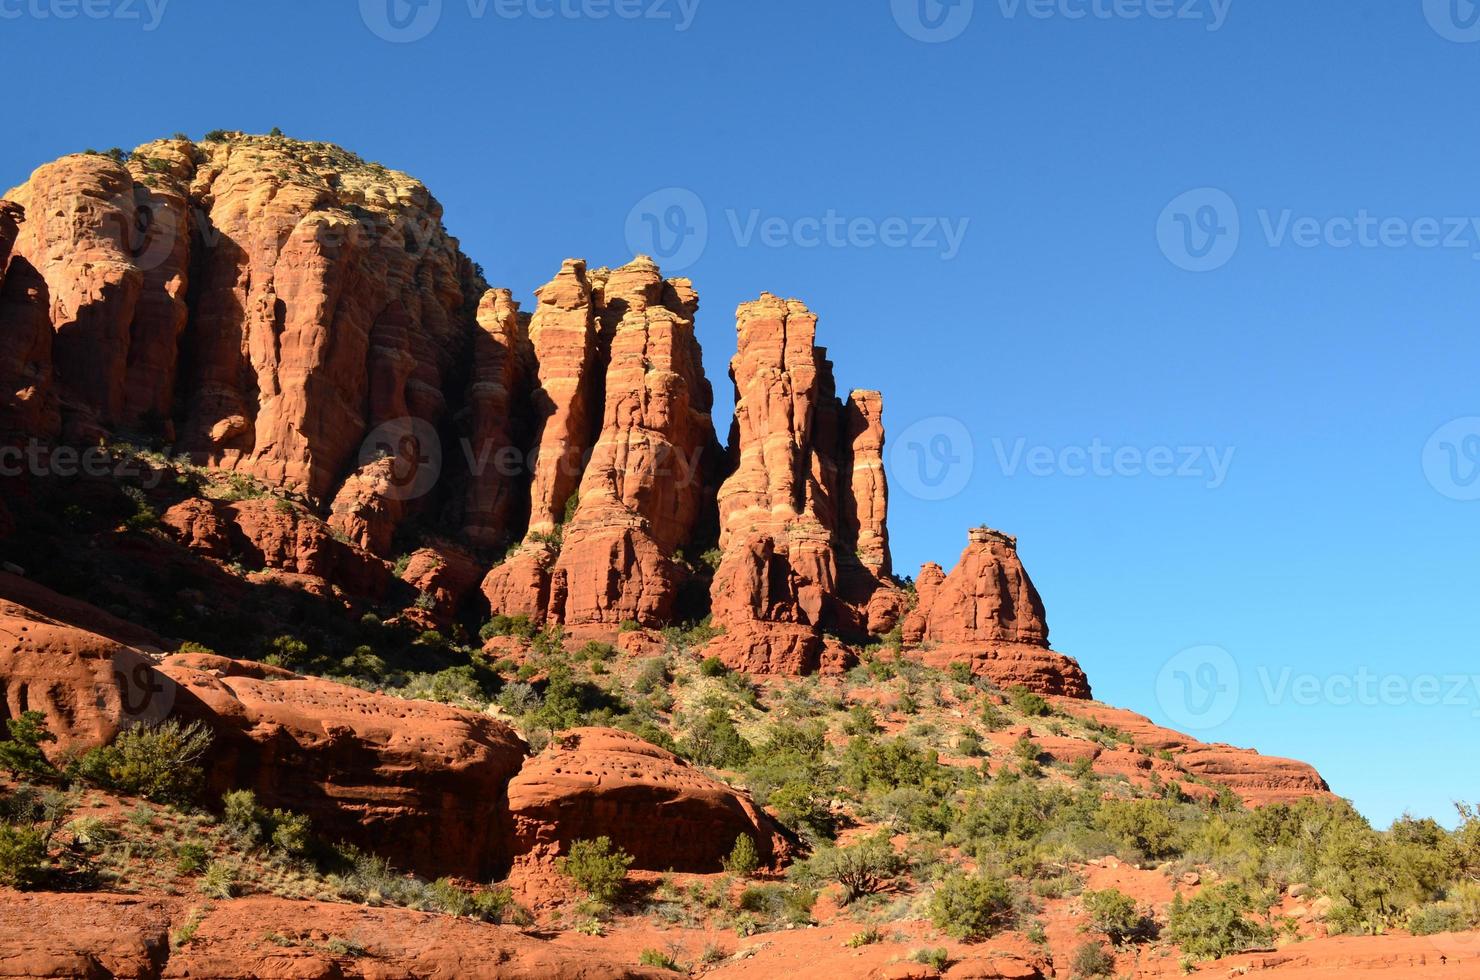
x=595, y=782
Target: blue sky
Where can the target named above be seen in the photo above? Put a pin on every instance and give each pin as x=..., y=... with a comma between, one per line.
x=1008, y=184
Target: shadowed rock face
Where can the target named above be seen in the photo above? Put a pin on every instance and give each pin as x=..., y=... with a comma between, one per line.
x=653, y=805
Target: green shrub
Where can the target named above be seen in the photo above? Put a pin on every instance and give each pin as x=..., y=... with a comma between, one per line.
x=743, y=860
x=22, y=856
x=190, y=857
x=596, y=867
x=1144, y=825
x=862, y=869
x=219, y=881
x=21, y=755
x=938, y=957
x=713, y=667
x=713, y=740
x=1214, y=924
x=658, y=958
x=1025, y=702
x=1114, y=913
x=159, y=762
x=1093, y=960
x=971, y=907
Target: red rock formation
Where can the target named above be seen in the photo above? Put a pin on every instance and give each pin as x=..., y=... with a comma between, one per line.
x=129, y=936
x=447, y=574
x=987, y=614
x=11, y=216
x=1256, y=779
x=662, y=811
x=866, y=507
x=419, y=782
x=802, y=515
x=329, y=301
x=275, y=534
x=642, y=490
x=495, y=506
x=987, y=597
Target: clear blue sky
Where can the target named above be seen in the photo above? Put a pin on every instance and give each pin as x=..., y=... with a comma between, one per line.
x=1059, y=321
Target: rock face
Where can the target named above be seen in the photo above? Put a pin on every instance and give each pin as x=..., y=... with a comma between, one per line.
x=496, y=503
x=658, y=808
x=802, y=514
x=419, y=782
x=642, y=491
x=273, y=534
x=988, y=597
x=988, y=614
x=11, y=216
x=1256, y=779
x=623, y=441
x=325, y=300
x=129, y=936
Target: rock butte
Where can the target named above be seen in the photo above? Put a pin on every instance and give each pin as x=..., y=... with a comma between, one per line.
x=288, y=312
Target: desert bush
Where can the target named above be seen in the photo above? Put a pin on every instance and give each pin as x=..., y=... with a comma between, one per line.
x=1092, y=960
x=713, y=740
x=158, y=762
x=1025, y=702
x=1114, y=913
x=219, y=881
x=1215, y=923
x=971, y=907
x=861, y=869
x=743, y=860
x=1145, y=826
x=22, y=855
x=21, y=755
x=596, y=867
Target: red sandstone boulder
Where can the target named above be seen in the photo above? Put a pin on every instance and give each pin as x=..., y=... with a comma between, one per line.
x=422, y=783
x=987, y=597
x=495, y=505
x=445, y=573
x=593, y=782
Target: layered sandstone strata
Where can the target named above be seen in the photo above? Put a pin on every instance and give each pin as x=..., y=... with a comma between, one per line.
x=623, y=439
x=802, y=513
x=325, y=300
